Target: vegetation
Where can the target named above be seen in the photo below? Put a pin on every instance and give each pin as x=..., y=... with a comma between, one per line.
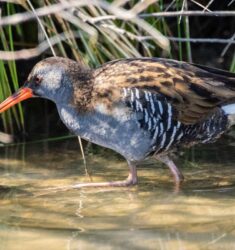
x=98, y=31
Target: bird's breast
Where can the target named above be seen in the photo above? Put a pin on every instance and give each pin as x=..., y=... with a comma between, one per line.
x=116, y=128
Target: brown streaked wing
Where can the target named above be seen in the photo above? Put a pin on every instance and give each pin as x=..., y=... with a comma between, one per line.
x=194, y=90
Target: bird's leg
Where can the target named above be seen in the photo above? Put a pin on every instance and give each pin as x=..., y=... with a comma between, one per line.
x=131, y=180
x=178, y=176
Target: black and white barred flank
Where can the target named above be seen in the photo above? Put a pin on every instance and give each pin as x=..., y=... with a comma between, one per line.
x=155, y=115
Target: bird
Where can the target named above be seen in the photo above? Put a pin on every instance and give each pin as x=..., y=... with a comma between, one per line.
x=138, y=107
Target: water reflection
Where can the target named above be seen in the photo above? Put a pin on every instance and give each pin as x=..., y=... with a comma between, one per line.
x=149, y=216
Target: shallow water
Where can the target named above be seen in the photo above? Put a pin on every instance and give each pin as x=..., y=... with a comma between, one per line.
x=149, y=216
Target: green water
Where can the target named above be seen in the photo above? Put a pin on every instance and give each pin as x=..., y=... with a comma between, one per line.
x=149, y=216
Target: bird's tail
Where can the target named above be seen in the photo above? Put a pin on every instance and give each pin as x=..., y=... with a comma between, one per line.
x=229, y=110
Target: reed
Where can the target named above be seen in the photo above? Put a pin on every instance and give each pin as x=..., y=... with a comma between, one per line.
x=95, y=32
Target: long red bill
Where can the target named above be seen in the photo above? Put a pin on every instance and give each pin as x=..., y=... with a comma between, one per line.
x=21, y=95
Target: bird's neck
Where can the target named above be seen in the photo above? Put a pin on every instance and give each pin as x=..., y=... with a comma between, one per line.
x=82, y=85
x=75, y=90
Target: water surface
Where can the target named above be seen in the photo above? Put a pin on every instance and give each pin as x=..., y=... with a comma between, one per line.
x=149, y=216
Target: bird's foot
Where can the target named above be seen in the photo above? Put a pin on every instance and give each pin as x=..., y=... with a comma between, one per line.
x=130, y=181
x=125, y=183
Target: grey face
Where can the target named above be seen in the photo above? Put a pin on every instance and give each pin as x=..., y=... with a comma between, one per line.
x=49, y=80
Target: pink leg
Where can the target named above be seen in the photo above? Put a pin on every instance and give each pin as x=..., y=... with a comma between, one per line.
x=178, y=176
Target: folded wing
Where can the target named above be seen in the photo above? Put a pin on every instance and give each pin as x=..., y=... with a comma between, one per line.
x=194, y=91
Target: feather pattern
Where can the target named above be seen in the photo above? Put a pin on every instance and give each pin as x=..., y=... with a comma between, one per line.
x=155, y=115
x=194, y=91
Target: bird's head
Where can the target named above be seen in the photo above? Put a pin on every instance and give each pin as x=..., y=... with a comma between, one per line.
x=52, y=78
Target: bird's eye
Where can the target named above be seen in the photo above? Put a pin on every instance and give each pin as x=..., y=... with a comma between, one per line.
x=37, y=80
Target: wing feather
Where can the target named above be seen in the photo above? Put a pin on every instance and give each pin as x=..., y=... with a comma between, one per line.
x=194, y=91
